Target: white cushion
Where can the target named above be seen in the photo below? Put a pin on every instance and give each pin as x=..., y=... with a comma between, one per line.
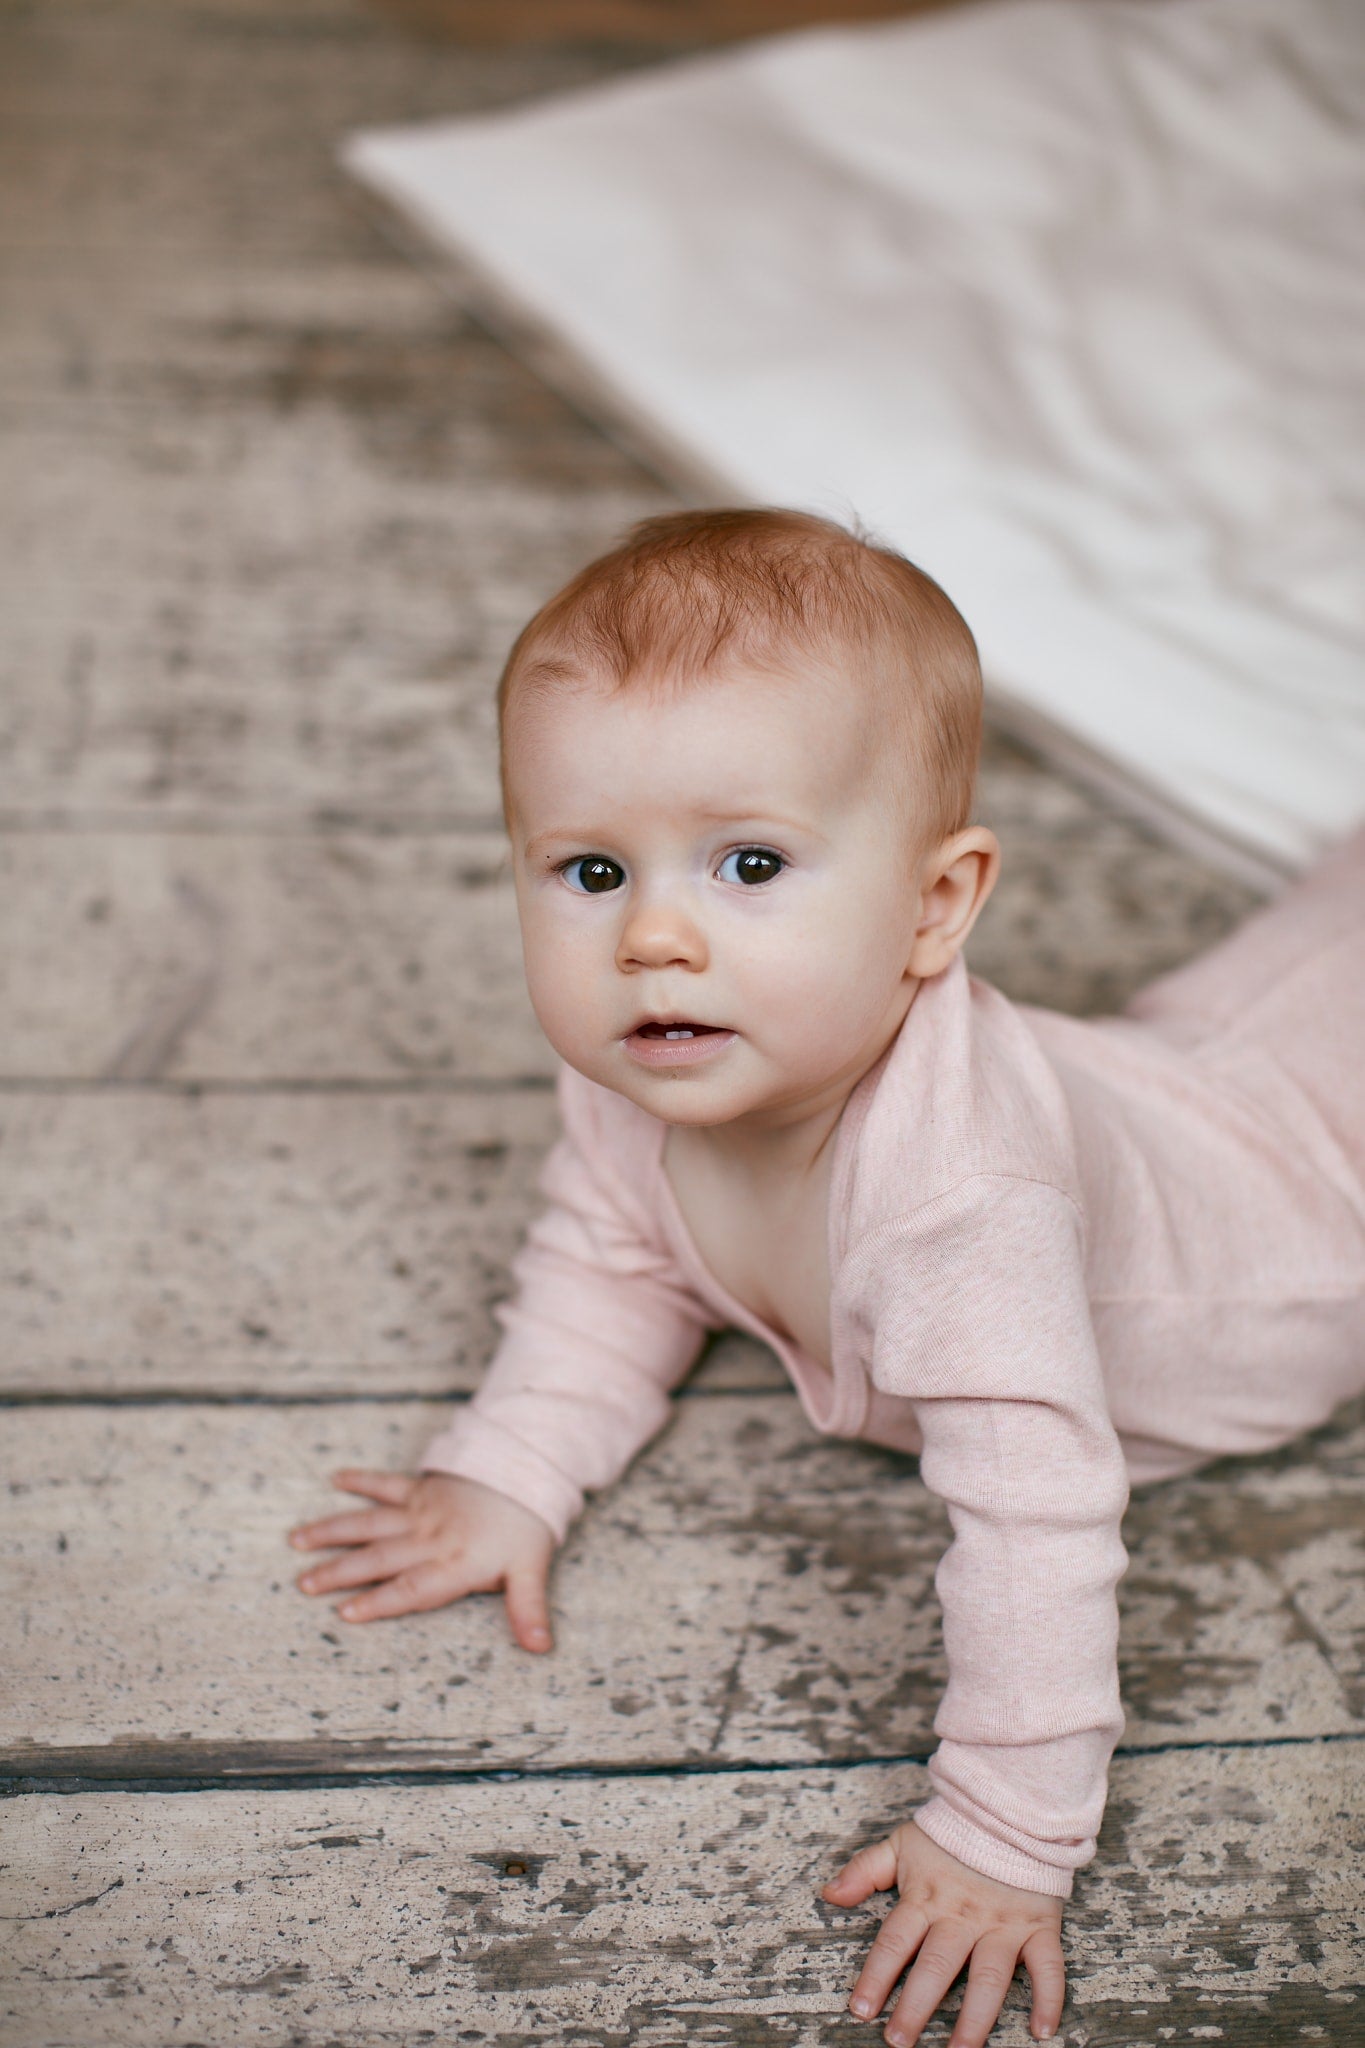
x=1062, y=297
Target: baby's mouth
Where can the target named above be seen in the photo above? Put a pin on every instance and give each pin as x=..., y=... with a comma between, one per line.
x=676, y=1029
x=672, y=1043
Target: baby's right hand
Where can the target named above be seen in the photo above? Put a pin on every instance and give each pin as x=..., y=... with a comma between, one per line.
x=432, y=1539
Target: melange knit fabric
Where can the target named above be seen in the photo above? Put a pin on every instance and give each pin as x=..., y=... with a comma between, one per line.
x=1064, y=1255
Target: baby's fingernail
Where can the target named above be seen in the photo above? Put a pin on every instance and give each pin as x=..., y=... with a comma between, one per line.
x=861, y=2008
x=348, y=1612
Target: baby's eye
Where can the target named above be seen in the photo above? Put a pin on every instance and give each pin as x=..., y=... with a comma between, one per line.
x=592, y=874
x=751, y=864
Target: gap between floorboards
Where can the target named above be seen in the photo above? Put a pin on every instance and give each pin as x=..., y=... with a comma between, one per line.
x=60, y=1783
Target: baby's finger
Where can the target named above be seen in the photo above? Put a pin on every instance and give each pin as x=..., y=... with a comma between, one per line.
x=872, y=1870
x=944, y=1950
x=415, y=1591
x=528, y=1610
x=1047, y=1974
x=988, y=1979
x=900, y=1935
x=362, y=1567
x=361, y=1525
x=391, y=1487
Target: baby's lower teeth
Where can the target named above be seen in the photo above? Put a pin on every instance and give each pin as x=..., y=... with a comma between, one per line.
x=679, y=1034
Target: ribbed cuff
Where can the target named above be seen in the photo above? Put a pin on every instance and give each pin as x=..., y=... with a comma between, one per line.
x=473, y=1448
x=972, y=1845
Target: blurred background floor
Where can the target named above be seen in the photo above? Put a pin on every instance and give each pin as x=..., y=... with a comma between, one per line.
x=666, y=24
x=272, y=1103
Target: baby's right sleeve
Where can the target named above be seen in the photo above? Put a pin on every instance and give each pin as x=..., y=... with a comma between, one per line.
x=600, y=1328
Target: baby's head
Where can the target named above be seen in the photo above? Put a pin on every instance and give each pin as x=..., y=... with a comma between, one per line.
x=738, y=761
x=687, y=598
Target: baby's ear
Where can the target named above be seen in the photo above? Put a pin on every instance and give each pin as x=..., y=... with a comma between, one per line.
x=954, y=882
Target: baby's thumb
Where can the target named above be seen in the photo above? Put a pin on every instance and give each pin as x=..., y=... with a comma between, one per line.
x=872, y=1870
x=528, y=1610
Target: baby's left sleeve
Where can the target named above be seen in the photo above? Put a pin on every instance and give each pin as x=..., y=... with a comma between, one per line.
x=601, y=1327
x=983, y=1323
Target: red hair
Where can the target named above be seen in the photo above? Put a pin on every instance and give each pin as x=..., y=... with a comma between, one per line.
x=683, y=595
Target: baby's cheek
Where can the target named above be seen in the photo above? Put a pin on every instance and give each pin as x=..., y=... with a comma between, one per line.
x=830, y=983
x=559, y=981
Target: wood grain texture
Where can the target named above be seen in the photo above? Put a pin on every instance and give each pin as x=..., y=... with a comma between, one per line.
x=299, y=958
x=229, y=1243
x=275, y=1241
x=751, y=1592
x=650, y=1912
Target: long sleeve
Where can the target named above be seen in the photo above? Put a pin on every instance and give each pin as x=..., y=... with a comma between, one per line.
x=599, y=1330
x=982, y=1323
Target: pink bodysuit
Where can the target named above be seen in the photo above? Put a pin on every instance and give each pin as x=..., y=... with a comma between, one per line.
x=1064, y=1255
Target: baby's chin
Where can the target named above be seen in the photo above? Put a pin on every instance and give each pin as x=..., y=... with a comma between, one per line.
x=694, y=1098
x=675, y=1095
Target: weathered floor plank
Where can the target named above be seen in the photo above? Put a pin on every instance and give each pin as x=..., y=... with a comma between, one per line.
x=271, y=1242
x=301, y=958
x=1224, y=1906
x=359, y=682
x=153, y=1242
x=750, y=1593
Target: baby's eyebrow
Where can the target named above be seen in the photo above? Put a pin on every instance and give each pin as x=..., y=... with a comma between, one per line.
x=759, y=828
x=558, y=835
x=759, y=819
x=757, y=824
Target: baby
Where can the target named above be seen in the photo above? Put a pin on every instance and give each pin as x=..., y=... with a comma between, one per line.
x=1047, y=1256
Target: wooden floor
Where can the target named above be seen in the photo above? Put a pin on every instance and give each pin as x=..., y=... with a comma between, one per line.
x=270, y=1110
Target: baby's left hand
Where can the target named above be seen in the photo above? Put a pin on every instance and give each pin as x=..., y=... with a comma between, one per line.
x=950, y=1913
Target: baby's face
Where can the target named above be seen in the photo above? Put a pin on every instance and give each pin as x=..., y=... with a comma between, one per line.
x=717, y=888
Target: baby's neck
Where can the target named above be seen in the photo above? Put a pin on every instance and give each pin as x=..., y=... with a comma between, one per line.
x=756, y=1203
x=787, y=1151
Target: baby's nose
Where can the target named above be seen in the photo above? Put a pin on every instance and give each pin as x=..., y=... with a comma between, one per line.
x=660, y=934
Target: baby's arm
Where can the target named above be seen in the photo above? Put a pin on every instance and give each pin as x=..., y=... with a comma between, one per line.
x=982, y=1321
x=432, y=1539
x=948, y=1916
x=987, y=1331
x=601, y=1328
